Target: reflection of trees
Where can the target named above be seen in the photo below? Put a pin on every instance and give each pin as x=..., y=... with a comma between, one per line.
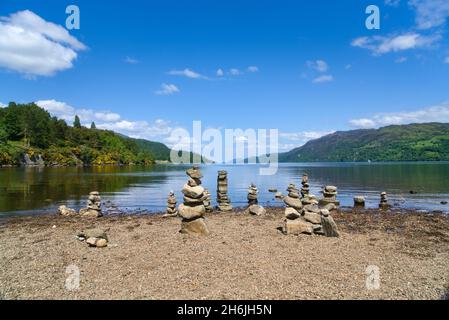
x=30, y=188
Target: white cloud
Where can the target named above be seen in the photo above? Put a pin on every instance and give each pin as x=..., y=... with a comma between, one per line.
x=131, y=60
x=291, y=140
x=430, y=13
x=401, y=60
x=2, y=105
x=235, y=72
x=318, y=65
x=220, y=73
x=379, y=45
x=438, y=113
x=323, y=78
x=167, y=89
x=253, y=69
x=66, y=112
x=35, y=47
x=187, y=73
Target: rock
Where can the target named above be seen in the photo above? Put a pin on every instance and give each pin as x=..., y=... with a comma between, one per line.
x=224, y=203
x=101, y=243
x=193, y=192
x=257, y=210
x=312, y=208
x=293, y=202
x=252, y=195
x=297, y=227
x=384, y=205
x=194, y=173
x=191, y=212
x=85, y=212
x=329, y=196
x=443, y=202
x=279, y=195
x=64, y=211
x=91, y=242
x=93, y=233
x=195, y=227
x=330, y=207
x=272, y=190
x=291, y=213
x=329, y=226
x=359, y=201
x=312, y=217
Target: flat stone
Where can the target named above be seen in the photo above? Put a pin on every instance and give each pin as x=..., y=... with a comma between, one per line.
x=194, y=173
x=93, y=233
x=293, y=202
x=191, y=212
x=86, y=212
x=65, y=211
x=312, y=208
x=312, y=217
x=195, y=227
x=91, y=241
x=331, y=189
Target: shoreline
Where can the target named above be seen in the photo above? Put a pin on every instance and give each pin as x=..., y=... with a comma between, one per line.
x=244, y=257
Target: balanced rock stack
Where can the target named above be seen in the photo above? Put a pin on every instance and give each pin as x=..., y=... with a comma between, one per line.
x=171, y=206
x=208, y=201
x=384, y=201
x=294, y=223
x=329, y=196
x=224, y=203
x=193, y=209
x=93, y=205
x=252, y=194
x=359, y=202
x=94, y=237
x=305, y=185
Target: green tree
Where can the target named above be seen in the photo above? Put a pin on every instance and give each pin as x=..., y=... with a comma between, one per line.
x=3, y=133
x=93, y=126
x=77, y=122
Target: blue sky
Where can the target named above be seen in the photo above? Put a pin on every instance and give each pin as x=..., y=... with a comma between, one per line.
x=303, y=67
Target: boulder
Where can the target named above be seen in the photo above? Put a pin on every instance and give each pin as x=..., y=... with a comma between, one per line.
x=65, y=211
x=291, y=213
x=329, y=226
x=257, y=210
x=297, y=227
x=193, y=192
x=195, y=227
x=191, y=212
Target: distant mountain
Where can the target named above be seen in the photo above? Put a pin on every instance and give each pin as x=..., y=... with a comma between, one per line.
x=413, y=142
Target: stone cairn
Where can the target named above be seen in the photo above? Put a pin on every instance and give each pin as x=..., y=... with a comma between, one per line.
x=208, y=201
x=193, y=209
x=252, y=194
x=304, y=216
x=305, y=186
x=329, y=197
x=171, y=206
x=93, y=205
x=384, y=205
x=224, y=203
x=94, y=237
x=359, y=202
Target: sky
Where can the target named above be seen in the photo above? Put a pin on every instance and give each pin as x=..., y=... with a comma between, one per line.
x=306, y=68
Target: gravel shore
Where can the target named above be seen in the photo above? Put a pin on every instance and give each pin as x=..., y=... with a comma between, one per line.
x=244, y=257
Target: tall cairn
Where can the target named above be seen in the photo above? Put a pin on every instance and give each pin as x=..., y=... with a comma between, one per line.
x=384, y=205
x=193, y=209
x=252, y=195
x=294, y=222
x=224, y=203
x=305, y=186
x=171, y=206
x=93, y=205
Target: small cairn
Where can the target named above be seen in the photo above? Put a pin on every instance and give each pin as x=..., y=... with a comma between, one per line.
x=94, y=237
x=384, y=205
x=252, y=194
x=224, y=203
x=305, y=186
x=329, y=196
x=359, y=202
x=193, y=209
x=171, y=206
x=208, y=201
x=294, y=223
x=93, y=206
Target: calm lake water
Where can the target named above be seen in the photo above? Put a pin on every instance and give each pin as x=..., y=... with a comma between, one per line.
x=132, y=189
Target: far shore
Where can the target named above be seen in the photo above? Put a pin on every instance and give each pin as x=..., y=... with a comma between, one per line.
x=244, y=257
